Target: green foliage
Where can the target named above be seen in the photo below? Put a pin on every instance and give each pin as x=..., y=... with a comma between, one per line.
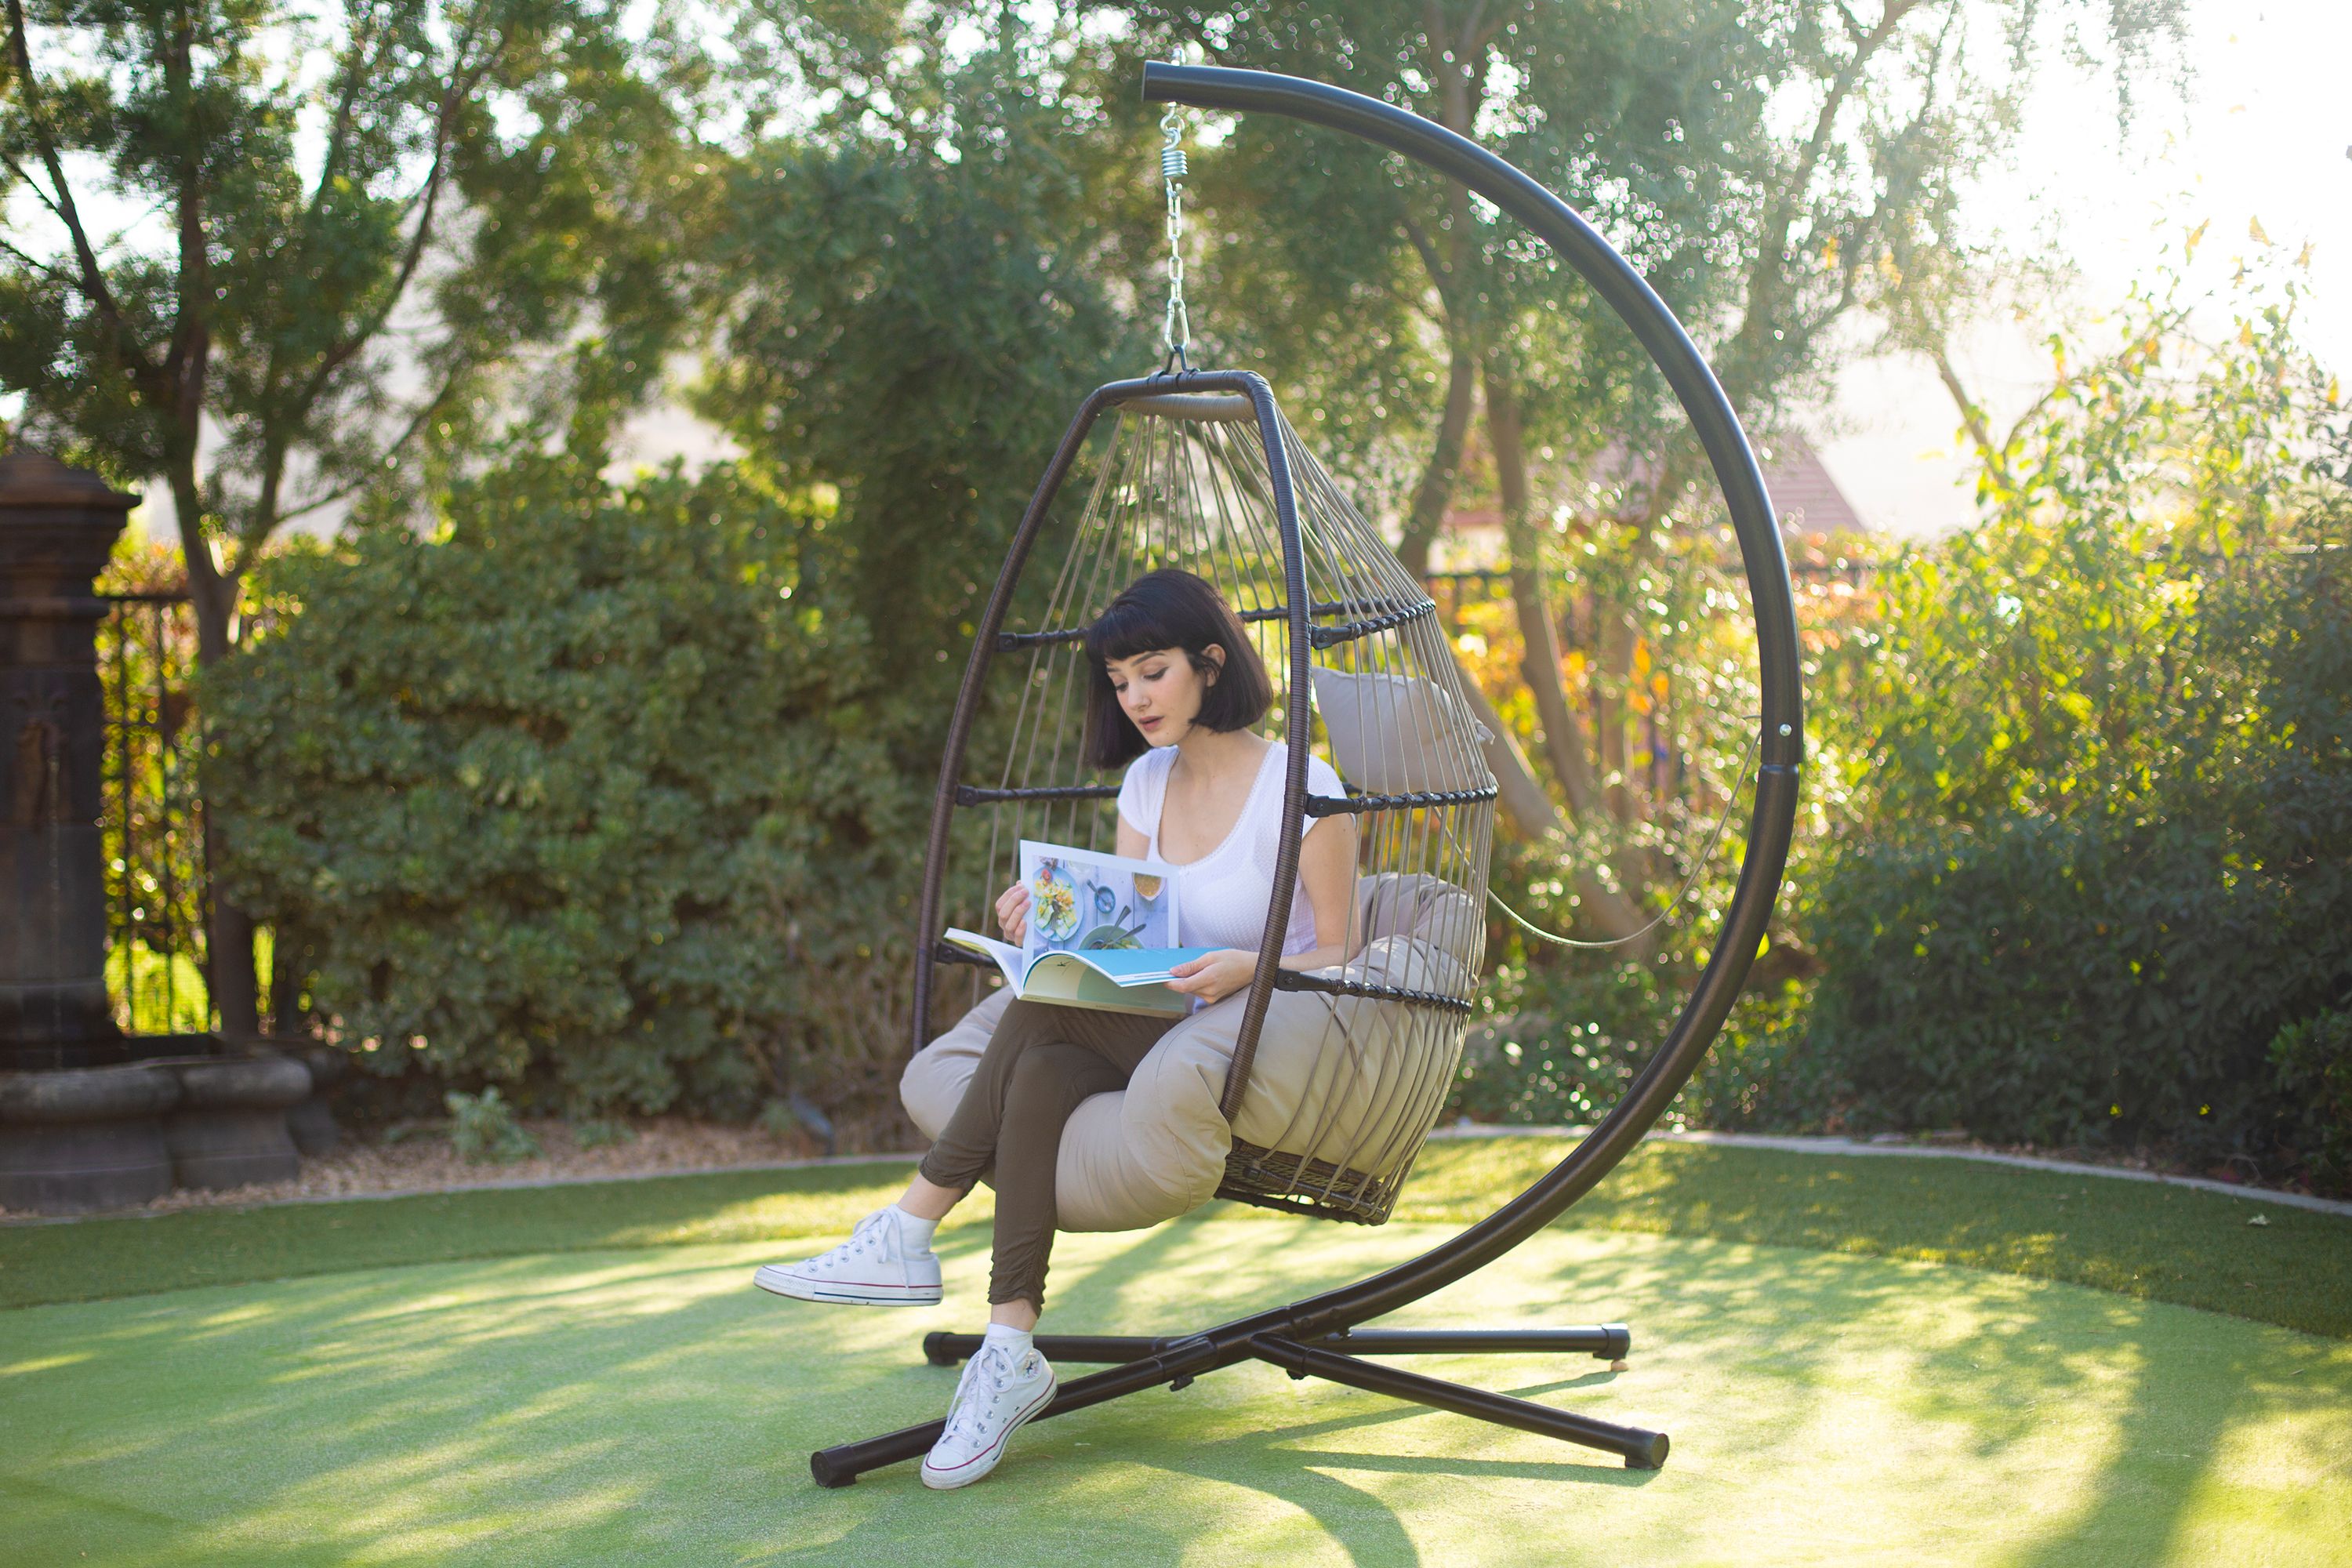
x=519, y=144
x=2314, y=1062
x=482, y=1129
x=613, y=796
x=920, y=312
x=2100, y=771
x=602, y=1132
x=581, y=794
x=1565, y=1043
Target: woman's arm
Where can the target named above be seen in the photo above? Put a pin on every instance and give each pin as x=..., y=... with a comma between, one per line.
x=1327, y=873
x=1326, y=870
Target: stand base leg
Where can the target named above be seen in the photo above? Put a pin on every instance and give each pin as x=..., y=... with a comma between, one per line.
x=1602, y=1341
x=1640, y=1449
x=1140, y=1361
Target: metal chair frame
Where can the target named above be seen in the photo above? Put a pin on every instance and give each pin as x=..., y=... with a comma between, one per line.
x=1322, y=1336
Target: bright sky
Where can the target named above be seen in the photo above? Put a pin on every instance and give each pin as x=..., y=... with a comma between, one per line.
x=2265, y=134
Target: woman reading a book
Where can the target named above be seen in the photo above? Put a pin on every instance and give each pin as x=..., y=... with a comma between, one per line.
x=1176, y=689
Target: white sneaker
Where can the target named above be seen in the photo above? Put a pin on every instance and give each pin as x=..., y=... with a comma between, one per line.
x=996, y=1393
x=871, y=1267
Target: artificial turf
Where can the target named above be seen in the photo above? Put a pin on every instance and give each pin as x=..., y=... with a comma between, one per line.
x=647, y=1406
x=2145, y=1240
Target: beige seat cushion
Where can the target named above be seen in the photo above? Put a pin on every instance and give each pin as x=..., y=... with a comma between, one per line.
x=1336, y=1078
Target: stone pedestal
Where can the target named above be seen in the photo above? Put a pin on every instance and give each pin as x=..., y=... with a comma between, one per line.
x=89, y=1119
x=57, y=526
x=74, y=1141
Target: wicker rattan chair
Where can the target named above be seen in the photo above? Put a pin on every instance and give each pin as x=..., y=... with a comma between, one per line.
x=1212, y=479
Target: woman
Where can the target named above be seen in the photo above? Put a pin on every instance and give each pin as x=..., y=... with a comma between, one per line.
x=1176, y=688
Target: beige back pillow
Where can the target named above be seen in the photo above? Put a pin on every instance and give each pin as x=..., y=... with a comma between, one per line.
x=1398, y=735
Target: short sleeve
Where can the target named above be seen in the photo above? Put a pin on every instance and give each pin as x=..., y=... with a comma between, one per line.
x=1322, y=779
x=1140, y=790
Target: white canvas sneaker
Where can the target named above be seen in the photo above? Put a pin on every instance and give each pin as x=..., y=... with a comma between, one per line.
x=870, y=1269
x=994, y=1396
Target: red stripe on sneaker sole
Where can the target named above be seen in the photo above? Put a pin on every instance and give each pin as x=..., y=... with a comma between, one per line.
x=908, y=1295
x=1001, y=1439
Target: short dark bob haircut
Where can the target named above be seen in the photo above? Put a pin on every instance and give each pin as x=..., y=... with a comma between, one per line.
x=1171, y=608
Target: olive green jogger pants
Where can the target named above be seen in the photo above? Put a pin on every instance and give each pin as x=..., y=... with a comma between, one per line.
x=1041, y=1062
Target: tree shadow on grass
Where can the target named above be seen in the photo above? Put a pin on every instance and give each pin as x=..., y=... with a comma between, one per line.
x=2145, y=1396
x=651, y=1408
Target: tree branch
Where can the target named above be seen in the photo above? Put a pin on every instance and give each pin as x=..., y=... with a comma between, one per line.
x=252, y=543
x=462, y=83
x=1435, y=491
x=93, y=281
x=1972, y=417
x=1772, y=248
x=360, y=68
x=47, y=269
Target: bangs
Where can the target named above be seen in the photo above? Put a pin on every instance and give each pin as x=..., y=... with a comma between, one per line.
x=1131, y=627
x=1174, y=611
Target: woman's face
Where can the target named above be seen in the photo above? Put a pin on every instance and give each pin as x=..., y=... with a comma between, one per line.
x=1161, y=692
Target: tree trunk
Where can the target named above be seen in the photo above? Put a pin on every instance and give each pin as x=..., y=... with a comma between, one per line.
x=1435, y=491
x=1565, y=744
x=235, y=985
x=1613, y=712
x=287, y=951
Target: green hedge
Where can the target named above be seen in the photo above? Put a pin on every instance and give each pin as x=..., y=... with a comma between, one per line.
x=581, y=793
x=2096, y=883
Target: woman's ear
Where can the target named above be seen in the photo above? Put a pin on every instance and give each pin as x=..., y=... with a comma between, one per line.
x=1215, y=654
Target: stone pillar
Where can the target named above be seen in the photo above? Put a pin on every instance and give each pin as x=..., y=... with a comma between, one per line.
x=57, y=526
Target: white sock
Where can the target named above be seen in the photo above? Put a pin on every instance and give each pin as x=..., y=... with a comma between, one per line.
x=1017, y=1342
x=914, y=1231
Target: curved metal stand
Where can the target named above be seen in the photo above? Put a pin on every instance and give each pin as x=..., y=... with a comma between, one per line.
x=1311, y=1337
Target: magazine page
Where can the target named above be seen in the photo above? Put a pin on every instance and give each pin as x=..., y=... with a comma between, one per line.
x=1009, y=959
x=1081, y=901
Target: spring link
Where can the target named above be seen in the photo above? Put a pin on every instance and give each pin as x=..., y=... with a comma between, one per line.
x=1176, y=328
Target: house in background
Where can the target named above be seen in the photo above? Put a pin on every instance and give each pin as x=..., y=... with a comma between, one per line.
x=1814, y=512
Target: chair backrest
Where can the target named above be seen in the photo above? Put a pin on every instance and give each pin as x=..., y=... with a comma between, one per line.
x=1201, y=471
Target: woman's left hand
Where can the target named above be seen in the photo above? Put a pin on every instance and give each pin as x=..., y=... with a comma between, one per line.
x=1215, y=976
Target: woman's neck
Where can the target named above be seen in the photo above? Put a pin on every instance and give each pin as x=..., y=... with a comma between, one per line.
x=1216, y=757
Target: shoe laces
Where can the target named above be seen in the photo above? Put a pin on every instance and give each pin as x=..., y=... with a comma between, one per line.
x=867, y=1235
x=989, y=1365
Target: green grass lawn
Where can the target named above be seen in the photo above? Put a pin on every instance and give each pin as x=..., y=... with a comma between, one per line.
x=584, y=1376
x=2141, y=1239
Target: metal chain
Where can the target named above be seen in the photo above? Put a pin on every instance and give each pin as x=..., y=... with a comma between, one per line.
x=1177, y=330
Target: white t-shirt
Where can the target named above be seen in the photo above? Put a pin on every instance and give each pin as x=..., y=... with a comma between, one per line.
x=1228, y=890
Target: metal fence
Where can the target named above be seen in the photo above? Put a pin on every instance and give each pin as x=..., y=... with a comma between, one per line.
x=158, y=886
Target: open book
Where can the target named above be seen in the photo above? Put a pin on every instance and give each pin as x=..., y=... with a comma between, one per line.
x=1115, y=980
x=1101, y=932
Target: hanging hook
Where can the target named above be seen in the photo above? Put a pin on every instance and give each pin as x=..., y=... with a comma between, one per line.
x=1176, y=330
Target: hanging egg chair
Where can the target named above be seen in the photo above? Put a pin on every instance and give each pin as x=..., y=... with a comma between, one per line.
x=1200, y=471
x=1313, y=1091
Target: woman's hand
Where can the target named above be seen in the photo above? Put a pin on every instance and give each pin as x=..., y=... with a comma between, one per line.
x=1215, y=976
x=1013, y=912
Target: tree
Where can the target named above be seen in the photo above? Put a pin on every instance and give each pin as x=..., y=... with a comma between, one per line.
x=339, y=226
x=2088, y=883
x=1774, y=172
x=925, y=293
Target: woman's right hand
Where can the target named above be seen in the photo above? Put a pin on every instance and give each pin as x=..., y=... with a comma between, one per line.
x=1013, y=912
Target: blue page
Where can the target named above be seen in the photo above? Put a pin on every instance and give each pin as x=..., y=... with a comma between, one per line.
x=1140, y=965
